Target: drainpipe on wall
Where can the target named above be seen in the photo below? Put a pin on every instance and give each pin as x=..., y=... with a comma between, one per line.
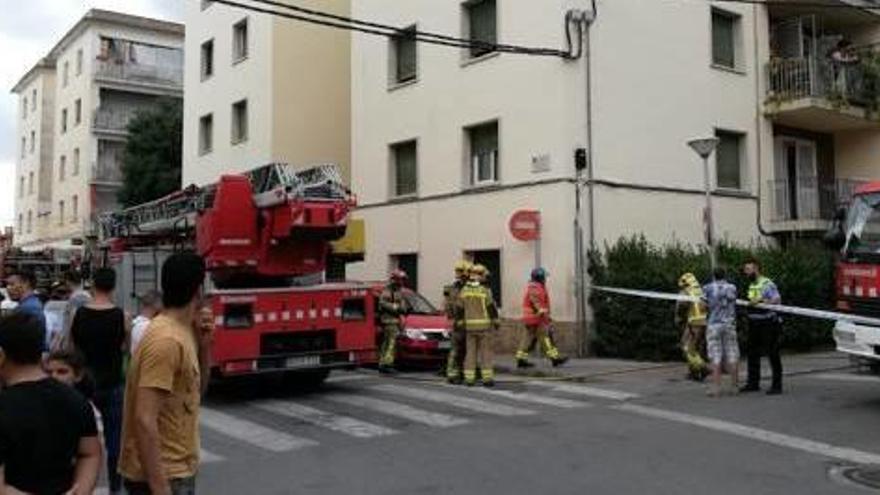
x=759, y=138
x=586, y=20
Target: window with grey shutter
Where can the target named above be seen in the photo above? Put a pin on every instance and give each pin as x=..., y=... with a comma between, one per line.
x=405, y=56
x=724, y=26
x=405, y=168
x=482, y=25
x=728, y=160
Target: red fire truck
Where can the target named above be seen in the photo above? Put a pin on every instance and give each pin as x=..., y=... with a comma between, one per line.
x=265, y=236
x=856, y=233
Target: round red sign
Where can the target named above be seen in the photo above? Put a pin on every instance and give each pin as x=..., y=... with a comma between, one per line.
x=525, y=225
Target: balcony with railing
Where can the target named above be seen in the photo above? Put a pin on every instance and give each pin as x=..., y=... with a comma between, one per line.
x=807, y=203
x=124, y=61
x=106, y=172
x=113, y=120
x=816, y=81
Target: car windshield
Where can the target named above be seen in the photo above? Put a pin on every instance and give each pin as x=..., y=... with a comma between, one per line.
x=418, y=305
x=863, y=226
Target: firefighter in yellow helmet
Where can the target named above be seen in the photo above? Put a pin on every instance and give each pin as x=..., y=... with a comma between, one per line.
x=392, y=307
x=455, y=361
x=476, y=307
x=692, y=316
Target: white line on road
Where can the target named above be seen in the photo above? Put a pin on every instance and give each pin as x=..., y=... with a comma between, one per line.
x=399, y=410
x=843, y=377
x=453, y=400
x=761, y=435
x=533, y=398
x=251, y=433
x=206, y=457
x=341, y=424
x=347, y=378
x=587, y=391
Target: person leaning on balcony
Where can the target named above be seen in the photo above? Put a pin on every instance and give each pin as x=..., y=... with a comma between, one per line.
x=841, y=56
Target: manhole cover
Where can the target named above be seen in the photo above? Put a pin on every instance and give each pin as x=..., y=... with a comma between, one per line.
x=866, y=476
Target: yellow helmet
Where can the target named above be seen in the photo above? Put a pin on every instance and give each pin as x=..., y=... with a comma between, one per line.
x=688, y=280
x=478, y=270
x=462, y=266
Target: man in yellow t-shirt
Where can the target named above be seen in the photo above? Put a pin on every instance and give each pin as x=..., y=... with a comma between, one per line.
x=168, y=374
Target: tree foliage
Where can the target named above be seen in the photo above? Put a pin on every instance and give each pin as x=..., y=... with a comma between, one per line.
x=152, y=163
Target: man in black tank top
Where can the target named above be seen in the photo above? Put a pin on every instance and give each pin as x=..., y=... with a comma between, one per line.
x=99, y=331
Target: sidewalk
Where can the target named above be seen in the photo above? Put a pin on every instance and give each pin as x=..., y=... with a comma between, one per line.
x=600, y=369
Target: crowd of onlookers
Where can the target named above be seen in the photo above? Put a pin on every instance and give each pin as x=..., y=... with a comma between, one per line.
x=89, y=391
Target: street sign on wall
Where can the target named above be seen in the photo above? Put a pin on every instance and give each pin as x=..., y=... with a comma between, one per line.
x=525, y=225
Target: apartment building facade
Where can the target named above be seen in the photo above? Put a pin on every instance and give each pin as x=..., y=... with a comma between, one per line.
x=262, y=89
x=448, y=143
x=102, y=72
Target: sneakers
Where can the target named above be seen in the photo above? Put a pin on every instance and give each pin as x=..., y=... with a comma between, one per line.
x=774, y=391
x=559, y=361
x=386, y=370
x=455, y=380
x=749, y=388
x=522, y=364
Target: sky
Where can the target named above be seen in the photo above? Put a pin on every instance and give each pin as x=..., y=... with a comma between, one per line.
x=28, y=35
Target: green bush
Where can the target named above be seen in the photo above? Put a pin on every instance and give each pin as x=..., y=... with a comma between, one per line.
x=639, y=328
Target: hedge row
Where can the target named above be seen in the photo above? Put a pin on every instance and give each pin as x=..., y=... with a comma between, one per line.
x=638, y=328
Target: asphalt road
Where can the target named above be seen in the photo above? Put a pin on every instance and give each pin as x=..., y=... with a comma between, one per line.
x=640, y=432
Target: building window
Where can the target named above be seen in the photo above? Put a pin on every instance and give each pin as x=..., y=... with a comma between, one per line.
x=404, y=54
x=206, y=3
x=491, y=259
x=33, y=141
x=63, y=121
x=30, y=183
x=75, y=162
x=24, y=107
x=206, y=134
x=74, y=207
x=409, y=263
x=728, y=160
x=483, y=153
x=240, y=41
x=725, y=38
x=239, y=122
x=20, y=223
x=33, y=99
x=23, y=146
x=65, y=77
x=30, y=221
x=62, y=165
x=79, y=61
x=77, y=111
x=61, y=212
x=207, y=59
x=21, y=187
x=481, y=22
x=404, y=169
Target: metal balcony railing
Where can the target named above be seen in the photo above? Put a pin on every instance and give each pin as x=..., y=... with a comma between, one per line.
x=808, y=198
x=114, y=119
x=159, y=74
x=791, y=79
x=107, y=172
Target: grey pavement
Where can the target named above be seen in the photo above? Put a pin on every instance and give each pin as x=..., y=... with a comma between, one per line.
x=611, y=426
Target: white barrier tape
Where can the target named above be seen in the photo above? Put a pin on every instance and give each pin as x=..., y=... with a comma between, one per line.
x=792, y=310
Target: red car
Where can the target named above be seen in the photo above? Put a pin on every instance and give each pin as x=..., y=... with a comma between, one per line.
x=425, y=341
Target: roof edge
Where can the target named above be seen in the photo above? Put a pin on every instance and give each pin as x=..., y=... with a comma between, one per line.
x=109, y=16
x=44, y=63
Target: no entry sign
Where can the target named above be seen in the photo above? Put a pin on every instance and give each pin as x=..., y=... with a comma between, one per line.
x=525, y=225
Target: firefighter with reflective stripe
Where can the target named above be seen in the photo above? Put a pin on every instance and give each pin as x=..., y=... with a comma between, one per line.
x=392, y=308
x=477, y=309
x=455, y=361
x=692, y=316
x=536, y=318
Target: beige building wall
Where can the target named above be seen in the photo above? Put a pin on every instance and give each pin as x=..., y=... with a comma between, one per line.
x=296, y=83
x=858, y=155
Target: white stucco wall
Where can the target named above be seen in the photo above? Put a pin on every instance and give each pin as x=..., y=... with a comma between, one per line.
x=246, y=79
x=857, y=155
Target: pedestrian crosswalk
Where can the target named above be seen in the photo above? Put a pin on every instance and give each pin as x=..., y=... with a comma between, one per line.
x=372, y=408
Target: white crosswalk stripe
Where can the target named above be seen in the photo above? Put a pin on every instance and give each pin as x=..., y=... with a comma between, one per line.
x=252, y=433
x=586, y=391
x=399, y=410
x=453, y=400
x=534, y=398
x=341, y=424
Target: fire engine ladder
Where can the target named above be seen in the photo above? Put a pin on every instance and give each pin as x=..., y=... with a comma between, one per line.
x=272, y=184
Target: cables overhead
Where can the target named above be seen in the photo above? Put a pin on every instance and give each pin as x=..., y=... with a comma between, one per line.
x=805, y=3
x=327, y=19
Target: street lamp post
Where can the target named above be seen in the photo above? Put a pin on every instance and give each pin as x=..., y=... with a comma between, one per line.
x=704, y=147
